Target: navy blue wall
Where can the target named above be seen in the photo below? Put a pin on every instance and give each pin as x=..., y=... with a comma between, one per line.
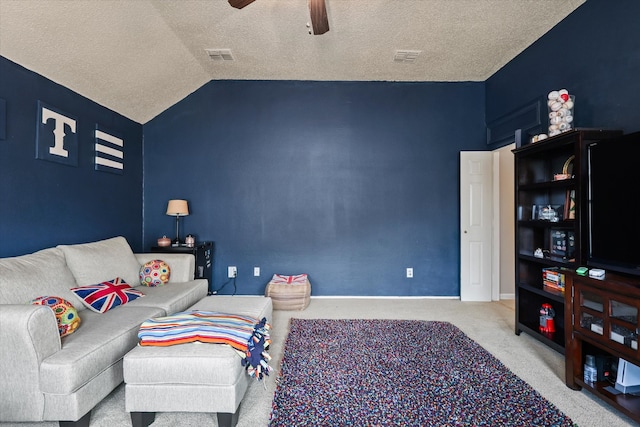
x=43, y=204
x=350, y=182
x=594, y=53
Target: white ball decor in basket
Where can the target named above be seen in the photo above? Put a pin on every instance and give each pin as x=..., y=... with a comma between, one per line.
x=560, y=104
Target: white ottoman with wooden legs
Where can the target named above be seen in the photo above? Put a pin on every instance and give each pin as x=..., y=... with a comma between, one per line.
x=193, y=377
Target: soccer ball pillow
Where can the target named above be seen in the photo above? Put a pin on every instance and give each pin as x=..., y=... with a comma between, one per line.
x=66, y=314
x=155, y=273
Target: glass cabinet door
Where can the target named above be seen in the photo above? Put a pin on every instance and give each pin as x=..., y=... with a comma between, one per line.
x=590, y=309
x=624, y=322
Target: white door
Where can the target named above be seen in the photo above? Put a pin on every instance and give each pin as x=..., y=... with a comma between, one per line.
x=476, y=225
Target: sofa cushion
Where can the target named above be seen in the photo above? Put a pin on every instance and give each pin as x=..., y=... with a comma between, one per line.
x=27, y=277
x=247, y=305
x=102, y=341
x=155, y=273
x=103, y=260
x=66, y=314
x=190, y=364
x=172, y=297
x=104, y=296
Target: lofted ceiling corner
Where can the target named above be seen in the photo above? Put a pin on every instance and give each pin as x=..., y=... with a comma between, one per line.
x=139, y=57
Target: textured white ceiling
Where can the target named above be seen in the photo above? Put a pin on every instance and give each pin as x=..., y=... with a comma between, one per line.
x=139, y=57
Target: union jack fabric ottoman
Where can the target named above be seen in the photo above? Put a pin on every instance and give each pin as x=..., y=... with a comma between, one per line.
x=289, y=292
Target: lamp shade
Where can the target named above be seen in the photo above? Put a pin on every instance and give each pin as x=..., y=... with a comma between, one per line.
x=178, y=208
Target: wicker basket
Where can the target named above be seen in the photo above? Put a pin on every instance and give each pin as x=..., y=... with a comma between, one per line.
x=286, y=296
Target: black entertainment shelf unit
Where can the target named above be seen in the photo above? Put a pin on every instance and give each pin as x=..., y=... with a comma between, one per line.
x=550, y=177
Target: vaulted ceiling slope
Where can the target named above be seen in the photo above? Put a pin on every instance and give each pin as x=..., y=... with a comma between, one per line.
x=139, y=57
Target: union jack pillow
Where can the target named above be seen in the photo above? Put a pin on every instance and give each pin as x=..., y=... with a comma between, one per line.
x=106, y=295
x=298, y=279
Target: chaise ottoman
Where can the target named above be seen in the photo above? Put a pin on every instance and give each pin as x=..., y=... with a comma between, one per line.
x=192, y=377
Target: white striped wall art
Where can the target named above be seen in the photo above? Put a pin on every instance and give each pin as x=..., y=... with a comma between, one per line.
x=109, y=153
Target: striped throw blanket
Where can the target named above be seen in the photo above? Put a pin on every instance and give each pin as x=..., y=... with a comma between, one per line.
x=249, y=336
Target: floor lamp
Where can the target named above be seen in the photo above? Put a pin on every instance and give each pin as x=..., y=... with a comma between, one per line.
x=177, y=208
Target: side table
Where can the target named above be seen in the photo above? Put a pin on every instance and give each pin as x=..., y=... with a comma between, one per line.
x=203, y=252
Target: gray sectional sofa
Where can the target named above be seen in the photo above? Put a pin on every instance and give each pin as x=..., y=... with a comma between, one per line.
x=44, y=377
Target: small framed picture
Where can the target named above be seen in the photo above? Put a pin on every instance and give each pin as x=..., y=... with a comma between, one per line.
x=563, y=243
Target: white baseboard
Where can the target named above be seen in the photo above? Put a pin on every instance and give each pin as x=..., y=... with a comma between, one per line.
x=379, y=297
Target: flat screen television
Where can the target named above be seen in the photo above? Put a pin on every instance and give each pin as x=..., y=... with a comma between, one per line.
x=613, y=212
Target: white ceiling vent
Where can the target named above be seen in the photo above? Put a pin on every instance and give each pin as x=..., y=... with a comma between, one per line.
x=406, y=55
x=220, y=54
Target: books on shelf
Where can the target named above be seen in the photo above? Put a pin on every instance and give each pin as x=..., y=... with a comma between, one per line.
x=553, y=280
x=570, y=205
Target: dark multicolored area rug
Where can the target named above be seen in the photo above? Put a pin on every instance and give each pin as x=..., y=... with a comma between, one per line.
x=399, y=373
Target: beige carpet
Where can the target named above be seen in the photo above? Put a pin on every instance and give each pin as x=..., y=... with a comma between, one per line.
x=489, y=324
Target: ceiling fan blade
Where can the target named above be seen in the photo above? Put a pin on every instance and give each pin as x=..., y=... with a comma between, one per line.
x=319, y=19
x=239, y=4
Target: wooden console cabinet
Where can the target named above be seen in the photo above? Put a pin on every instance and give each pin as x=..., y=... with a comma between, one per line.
x=604, y=322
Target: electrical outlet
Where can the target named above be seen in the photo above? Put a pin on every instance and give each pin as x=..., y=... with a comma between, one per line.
x=256, y=271
x=232, y=271
x=410, y=273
